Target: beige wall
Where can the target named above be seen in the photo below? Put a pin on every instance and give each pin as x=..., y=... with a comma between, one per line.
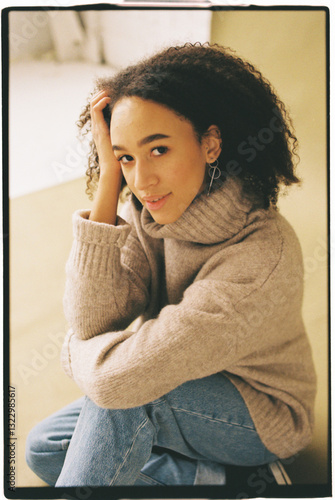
x=288, y=47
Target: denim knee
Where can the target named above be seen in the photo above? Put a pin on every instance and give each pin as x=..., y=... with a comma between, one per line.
x=45, y=455
x=34, y=450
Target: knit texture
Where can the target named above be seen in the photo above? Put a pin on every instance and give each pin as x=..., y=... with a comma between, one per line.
x=219, y=290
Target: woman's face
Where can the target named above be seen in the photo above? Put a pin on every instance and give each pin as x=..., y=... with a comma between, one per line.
x=161, y=158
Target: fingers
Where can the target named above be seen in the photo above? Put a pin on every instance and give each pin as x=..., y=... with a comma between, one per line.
x=98, y=126
x=99, y=101
x=101, y=133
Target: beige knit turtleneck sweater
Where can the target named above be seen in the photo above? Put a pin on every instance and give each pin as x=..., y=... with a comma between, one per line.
x=219, y=290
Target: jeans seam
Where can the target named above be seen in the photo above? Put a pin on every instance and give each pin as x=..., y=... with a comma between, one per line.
x=214, y=419
x=157, y=402
x=149, y=479
x=128, y=452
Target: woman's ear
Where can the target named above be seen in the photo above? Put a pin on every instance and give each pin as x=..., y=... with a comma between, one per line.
x=213, y=143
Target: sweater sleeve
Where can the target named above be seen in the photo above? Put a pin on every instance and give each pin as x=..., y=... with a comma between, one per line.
x=107, y=277
x=204, y=334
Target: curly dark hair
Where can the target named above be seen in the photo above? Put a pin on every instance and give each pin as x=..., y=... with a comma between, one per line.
x=209, y=85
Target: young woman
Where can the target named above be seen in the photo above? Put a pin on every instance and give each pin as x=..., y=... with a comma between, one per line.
x=217, y=369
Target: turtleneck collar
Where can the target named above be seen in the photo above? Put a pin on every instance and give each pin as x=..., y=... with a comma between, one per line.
x=209, y=219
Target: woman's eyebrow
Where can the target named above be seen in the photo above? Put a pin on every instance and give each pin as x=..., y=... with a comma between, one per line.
x=142, y=142
x=151, y=138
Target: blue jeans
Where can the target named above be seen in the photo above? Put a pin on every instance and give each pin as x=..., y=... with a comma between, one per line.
x=182, y=438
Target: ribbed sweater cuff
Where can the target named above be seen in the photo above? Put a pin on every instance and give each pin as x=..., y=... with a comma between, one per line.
x=96, y=245
x=99, y=233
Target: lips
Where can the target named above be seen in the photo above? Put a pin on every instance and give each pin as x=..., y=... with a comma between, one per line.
x=156, y=202
x=153, y=198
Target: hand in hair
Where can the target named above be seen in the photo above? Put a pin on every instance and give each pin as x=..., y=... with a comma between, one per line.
x=100, y=133
x=105, y=203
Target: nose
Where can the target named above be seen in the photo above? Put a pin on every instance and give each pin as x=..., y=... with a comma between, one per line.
x=145, y=176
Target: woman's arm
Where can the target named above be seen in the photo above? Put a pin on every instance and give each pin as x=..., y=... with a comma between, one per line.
x=107, y=276
x=107, y=196
x=106, y=280
x=207, y=332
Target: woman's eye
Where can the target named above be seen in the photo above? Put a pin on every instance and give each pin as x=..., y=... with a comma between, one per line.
x=125, y=159
x=160, y=150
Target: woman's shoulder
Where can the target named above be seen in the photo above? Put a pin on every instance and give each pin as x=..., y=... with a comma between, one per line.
x=266, y=245
x=281, y=231
x=272, y=243
x=271, y=226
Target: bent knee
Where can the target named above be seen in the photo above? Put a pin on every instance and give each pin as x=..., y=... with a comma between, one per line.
x=45, y=453
x=41, y=440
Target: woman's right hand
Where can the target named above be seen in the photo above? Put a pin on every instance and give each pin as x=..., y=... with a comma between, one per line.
x=107, y=196
x=101, y=133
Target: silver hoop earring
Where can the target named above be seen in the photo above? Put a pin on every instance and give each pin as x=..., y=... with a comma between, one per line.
x=214, y=172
